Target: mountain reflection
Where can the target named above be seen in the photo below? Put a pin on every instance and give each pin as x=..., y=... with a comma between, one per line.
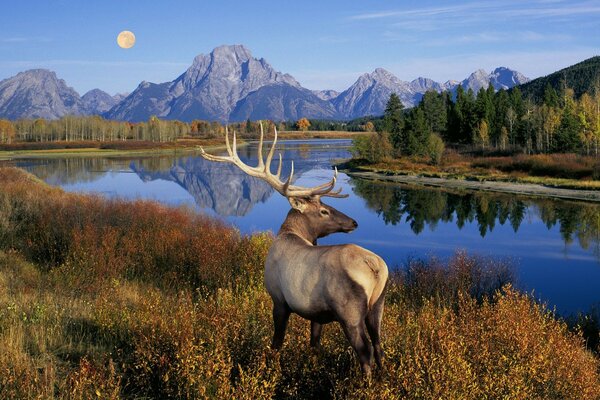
x=218, y=186
x=421, y=207
x=223, y=187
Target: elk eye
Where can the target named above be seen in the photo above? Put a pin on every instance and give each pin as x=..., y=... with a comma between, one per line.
x=324, y=212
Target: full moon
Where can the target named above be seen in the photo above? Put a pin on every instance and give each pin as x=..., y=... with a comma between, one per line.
x=126, y=39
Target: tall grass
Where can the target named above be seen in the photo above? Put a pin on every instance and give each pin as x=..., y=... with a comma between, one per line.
x=114, y=299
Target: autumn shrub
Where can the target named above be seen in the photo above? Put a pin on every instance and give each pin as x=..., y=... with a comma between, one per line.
x=146, y=301
x=94, y=238
x=569, y=166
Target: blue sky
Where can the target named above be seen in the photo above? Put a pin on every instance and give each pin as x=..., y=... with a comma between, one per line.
x=324, y=44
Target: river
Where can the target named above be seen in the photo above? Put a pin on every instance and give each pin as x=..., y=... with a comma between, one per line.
x=554, y=245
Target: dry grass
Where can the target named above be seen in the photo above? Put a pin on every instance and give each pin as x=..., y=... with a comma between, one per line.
x=115, y=299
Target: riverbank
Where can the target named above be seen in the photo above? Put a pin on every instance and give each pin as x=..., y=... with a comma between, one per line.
x=528, y=189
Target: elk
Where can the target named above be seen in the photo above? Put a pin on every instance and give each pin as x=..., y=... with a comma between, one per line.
x=344, y=283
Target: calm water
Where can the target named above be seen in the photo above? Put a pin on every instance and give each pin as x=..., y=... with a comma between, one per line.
x=554, y=244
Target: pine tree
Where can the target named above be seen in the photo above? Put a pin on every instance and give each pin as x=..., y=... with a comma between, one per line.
x=393, y=121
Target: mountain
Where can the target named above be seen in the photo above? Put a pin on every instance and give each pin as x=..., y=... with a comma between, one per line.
x=370, y=93
x=326, y=94
x=477, y=80
x=506, y=78
x=97, y=101
x=214, y=85
x=120, y=96
x=228, y=84
x=500, y=78
x=282, y=102
x=37, y=93
x=580, y=77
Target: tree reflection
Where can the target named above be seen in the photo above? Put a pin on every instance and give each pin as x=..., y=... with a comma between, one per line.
x=63, y=171
x=422, y=207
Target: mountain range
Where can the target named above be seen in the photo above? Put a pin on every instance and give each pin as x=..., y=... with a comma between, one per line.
x=228, y=84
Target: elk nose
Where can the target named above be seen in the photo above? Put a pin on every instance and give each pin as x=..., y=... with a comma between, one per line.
x=354, y=223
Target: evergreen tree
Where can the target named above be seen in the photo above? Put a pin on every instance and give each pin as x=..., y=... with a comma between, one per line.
x=393, y=121
x=416, y=133
x=567, y=134
x=435, y=110
x=550, y=96
x=501, y=104
x=470, y=121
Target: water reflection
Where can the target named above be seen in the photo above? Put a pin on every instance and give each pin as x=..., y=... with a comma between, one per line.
x=64, y=171
x=421, y=207
x=555, y=243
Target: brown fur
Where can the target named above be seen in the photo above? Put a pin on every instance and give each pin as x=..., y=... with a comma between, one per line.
x=343, y=283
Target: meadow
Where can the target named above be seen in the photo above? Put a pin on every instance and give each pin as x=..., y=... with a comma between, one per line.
x=132, y=299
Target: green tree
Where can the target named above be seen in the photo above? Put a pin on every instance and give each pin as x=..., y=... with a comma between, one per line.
x=435, y=110
x=393, y=121
x=550, y=96
x=567, y=134
x=416, y=133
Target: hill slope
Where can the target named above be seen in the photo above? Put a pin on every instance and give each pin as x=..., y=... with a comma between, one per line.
x=580, y=77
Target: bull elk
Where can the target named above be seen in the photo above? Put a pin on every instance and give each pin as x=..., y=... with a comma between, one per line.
x=343, y=283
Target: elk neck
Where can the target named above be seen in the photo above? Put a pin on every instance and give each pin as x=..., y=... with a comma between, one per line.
x=298, y=224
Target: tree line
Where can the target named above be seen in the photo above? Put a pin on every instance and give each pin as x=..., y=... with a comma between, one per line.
x=489, y=120
x=95, y=128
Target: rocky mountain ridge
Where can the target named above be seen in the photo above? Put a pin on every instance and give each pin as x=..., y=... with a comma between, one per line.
x=228, y=84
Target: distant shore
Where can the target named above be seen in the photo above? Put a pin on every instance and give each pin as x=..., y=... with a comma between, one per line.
x=126, y=148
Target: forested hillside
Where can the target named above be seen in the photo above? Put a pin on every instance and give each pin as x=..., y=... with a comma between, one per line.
x=581, y=77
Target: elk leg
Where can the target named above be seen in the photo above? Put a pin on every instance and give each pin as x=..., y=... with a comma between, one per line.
x=360, y=343
x=373, y=322
x=315, y=333
x=281, y=314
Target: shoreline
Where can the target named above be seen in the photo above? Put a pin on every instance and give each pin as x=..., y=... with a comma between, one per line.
x=527, y=189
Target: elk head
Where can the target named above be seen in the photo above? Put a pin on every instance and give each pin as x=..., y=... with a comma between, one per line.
x=321, y=218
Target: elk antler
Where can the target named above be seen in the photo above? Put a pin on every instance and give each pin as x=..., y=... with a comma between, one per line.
x=263, y=170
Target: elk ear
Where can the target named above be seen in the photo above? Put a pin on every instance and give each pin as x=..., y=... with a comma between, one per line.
x=298, y=203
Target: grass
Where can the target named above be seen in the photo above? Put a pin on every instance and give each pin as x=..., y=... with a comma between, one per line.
x=115, y=299
x=569, y=171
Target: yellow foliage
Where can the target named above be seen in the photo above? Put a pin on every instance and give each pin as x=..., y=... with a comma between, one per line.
x=96, y=332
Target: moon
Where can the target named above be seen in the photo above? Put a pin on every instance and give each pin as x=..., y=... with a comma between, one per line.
x=126, y=39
